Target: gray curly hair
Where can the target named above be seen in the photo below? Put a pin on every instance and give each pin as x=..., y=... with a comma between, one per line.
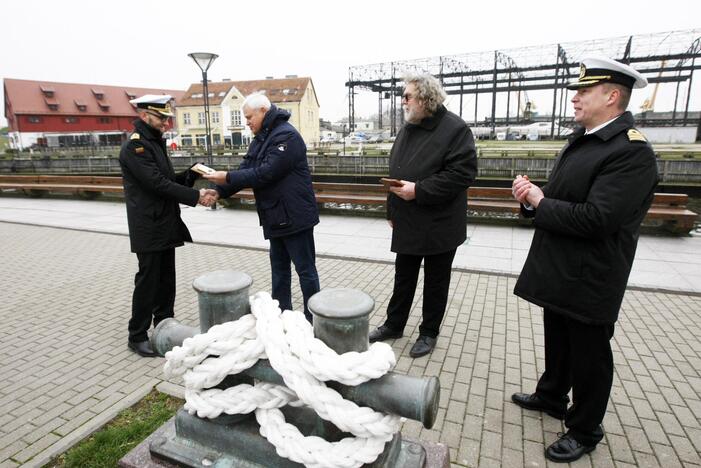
x=428, y=90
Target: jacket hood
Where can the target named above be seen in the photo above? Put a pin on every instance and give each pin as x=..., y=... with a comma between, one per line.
x=273, y=118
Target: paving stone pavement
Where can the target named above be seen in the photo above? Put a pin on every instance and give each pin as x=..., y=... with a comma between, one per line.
x=65, y=369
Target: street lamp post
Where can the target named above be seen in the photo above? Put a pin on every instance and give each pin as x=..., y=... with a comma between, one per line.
x=204, y=61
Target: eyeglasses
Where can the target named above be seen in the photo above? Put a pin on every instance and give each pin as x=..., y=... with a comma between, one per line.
x=162, y=118
x=407, y=97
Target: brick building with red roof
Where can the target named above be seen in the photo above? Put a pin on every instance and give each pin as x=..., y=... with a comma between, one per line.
x=45, y=113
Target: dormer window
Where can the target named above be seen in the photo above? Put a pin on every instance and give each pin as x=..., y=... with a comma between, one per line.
x=99, y=94
x=52, y=103
x=105, y=106
x=47, y=90
x=82, y=107
x=130, y=95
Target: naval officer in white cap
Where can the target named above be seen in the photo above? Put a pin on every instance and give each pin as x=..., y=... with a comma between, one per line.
x=153, y=192
x=587, y=219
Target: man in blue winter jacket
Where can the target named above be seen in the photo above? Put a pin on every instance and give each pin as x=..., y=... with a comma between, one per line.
x=276, y=168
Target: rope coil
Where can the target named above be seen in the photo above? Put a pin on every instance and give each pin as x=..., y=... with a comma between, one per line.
x=305, y=363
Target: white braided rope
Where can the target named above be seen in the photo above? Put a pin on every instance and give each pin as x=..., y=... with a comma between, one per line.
x=304, y=362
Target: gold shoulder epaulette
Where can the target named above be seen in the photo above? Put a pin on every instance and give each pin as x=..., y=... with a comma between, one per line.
x=635, y=135
x=134, y=136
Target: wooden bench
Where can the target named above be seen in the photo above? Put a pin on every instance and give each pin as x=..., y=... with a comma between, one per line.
x=338, y=193
x=83, y=186
x=668, y=210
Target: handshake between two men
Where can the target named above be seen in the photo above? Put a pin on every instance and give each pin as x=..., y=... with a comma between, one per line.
x=208, y=197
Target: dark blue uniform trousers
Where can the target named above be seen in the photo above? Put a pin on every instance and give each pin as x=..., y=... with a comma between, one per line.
x=578, y=356
x=154, y=292
x=299, y=249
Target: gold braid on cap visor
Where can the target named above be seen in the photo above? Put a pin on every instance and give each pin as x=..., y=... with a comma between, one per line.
x=160, y=109
x=600, y=77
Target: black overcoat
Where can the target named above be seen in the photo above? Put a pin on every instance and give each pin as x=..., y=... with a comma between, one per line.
x=588, y=224
x=152, y=192
x=438, y=154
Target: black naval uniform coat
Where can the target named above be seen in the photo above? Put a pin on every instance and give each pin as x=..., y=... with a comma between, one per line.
x=153, y=191
x=588, y=224
x=438, y=154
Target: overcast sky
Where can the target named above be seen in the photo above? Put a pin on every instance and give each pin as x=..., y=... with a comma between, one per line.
x=145, y=43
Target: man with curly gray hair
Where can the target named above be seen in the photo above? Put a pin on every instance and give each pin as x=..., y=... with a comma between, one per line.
x=434, y=159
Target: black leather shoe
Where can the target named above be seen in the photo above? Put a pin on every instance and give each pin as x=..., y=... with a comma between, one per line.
x=566, y=449
x=423, y=346
x=383, y=333
x=142, y=348
x=534, y=402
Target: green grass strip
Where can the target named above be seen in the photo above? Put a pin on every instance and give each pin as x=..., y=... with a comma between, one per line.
x=107, y=446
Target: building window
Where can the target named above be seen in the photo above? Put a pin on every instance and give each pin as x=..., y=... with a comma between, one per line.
x=110, y=140
x=200, y=118
x=186, y=118
x=215, y=117
x=34, y=119
x=216, y=139
x=104, y=120
x=47, y=90
x=200, y=140
x=187, y=140
x=236, y=118
x=71, y=120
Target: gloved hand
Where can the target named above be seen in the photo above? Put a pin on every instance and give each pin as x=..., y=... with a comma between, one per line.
x=191, y=176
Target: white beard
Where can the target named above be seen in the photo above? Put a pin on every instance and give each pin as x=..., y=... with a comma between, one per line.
x=410, y=116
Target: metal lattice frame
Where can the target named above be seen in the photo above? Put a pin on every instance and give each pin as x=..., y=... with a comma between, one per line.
x=668, y=57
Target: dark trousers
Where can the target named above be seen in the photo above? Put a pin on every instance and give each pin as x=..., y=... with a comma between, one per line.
x=437, y=269
x=299, y=249
x=578, y=356
x=154, y=292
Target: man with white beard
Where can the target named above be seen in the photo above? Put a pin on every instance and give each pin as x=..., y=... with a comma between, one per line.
x=434, y=159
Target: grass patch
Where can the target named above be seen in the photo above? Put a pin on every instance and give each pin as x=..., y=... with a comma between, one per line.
x=4, y=143
x=106, y=447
